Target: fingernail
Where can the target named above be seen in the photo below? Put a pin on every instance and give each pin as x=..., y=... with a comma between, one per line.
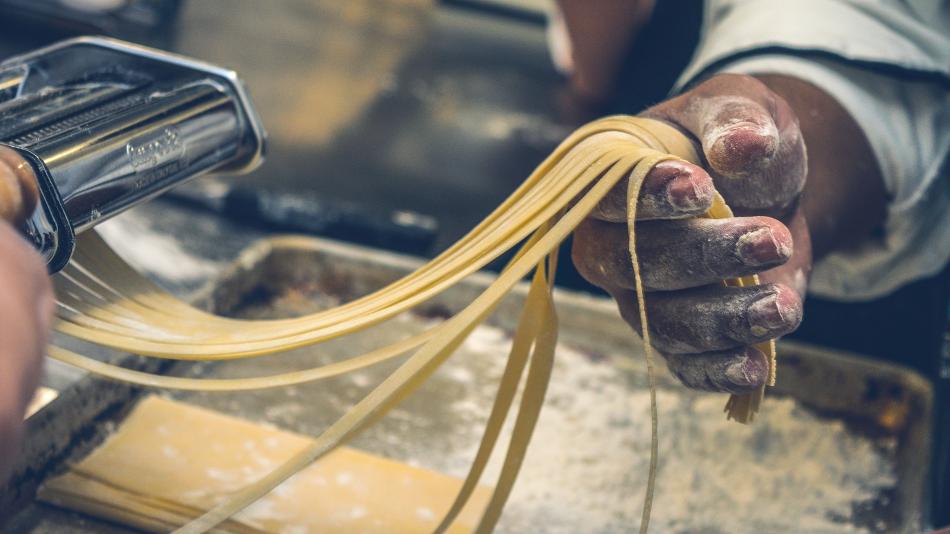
x=746, y=372
x=684, y=194
x=737, y=148
x=738, y=374
x=767, y=315
x=759, y=247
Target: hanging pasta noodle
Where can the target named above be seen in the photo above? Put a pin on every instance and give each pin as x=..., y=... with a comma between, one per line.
x=102, y=300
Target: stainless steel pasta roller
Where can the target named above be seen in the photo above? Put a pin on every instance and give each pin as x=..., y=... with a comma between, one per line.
x=102, y=125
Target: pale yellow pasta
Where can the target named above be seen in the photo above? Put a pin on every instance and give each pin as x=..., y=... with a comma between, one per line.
x=104, y=301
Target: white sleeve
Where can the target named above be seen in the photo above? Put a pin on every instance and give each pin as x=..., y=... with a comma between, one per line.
x=908, y=36
x=905, y=117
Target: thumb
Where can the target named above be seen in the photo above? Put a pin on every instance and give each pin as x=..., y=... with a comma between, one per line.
x=750, y=138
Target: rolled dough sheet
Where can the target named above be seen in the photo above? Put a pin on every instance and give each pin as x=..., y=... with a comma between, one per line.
x=170, y=461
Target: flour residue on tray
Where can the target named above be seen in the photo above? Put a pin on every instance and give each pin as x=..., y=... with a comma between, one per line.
x=586, y=470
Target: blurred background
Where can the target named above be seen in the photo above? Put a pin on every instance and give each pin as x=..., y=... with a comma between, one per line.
x=396, y=123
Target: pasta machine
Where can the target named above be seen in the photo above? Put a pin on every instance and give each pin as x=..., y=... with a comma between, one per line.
x=106, y=125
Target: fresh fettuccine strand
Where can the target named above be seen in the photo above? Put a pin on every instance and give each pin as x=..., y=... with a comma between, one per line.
x=633, y=193
x=103, y=300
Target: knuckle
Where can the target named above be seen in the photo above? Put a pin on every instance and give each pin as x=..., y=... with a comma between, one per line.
x=672, y=331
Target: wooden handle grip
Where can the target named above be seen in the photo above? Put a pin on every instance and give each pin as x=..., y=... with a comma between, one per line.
x=18, y=189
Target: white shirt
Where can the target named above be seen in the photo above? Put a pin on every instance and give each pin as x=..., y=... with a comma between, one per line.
x=887, y=62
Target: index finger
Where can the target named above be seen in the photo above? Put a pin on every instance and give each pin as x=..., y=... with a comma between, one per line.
x=671, y=190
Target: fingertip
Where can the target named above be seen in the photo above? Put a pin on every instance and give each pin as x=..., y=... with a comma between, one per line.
x=777, y=313
x=675, y=189
x=691, y=191
x=790, y=304
x=768, y=244
x=790, y=301
x=748, y=372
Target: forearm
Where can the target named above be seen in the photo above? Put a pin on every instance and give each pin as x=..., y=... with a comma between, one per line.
x=600, y=33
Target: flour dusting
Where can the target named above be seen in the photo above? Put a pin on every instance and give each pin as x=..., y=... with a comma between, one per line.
x=587, y=467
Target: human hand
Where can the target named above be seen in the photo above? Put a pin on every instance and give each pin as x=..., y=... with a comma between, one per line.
x=754, y=154
x=26, y=309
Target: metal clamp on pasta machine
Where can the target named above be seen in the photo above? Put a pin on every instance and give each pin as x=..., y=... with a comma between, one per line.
x=107, y=124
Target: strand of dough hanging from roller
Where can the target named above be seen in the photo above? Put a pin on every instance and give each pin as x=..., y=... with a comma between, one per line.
x=102, y=300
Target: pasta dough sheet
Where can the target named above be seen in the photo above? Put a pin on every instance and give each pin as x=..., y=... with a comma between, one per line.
x=170, y=461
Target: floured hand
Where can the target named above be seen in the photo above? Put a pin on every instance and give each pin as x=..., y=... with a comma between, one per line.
x=755, y=156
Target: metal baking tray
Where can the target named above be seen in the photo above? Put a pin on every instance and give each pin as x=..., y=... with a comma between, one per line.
x=842, y=444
